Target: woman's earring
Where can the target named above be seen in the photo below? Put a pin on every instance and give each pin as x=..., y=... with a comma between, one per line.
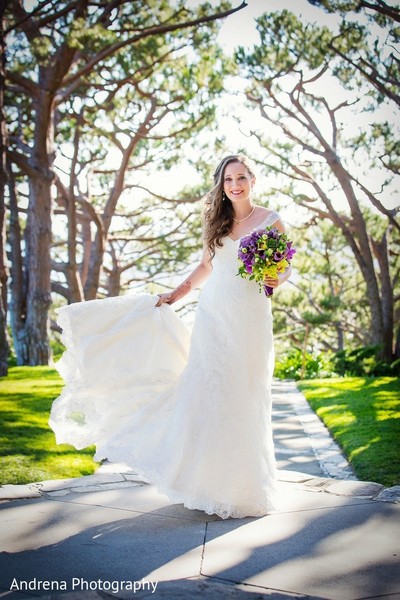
x=223, y=196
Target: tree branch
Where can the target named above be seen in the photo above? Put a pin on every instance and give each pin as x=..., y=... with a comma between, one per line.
x=26, y=84
x=371, y=77
x=382, y=8
x=23, y=163
x=156, y=30
x=163, y=198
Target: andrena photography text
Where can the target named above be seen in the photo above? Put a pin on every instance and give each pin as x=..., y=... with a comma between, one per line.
x=80, y=584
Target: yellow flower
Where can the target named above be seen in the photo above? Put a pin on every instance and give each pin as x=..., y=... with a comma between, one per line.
x=282, y=265
x=270, y=271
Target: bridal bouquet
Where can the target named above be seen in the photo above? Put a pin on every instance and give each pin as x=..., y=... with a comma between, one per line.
x=264, y=253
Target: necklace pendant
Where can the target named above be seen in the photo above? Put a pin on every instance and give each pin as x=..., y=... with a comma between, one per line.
x=248, y=216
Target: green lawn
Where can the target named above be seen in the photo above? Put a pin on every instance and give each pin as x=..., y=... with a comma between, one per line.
x=363, y=415
x=28, y=451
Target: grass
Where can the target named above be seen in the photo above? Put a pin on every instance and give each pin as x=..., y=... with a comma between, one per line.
x=28, y=451
x=363, y=415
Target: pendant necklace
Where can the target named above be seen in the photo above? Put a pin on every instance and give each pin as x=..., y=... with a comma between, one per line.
x=248, y=216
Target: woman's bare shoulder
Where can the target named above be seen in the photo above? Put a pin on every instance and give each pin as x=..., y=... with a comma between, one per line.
x=270, y=217
x=262, y=211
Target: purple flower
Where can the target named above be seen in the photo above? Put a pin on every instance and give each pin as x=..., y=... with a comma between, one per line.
x=273, y=233
x=261, y=248
x=268, y=290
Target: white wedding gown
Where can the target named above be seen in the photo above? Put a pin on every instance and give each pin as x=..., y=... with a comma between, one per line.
x=192, y=416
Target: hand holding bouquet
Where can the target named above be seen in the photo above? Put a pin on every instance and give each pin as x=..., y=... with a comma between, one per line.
x=264, y=253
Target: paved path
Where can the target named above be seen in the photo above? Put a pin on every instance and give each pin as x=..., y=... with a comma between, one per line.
x=109, y=535
x=302, y=442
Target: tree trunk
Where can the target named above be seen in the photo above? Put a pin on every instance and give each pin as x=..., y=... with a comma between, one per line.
x=73, y=276
x=114, y=283
x=4, y=346
x=38, y=272
x=340, y=337
x=18, y=281
x=381, y=253
x=397, y=344
x=34, y=348
x=97, y=251
x=364, y=258
x=87, y=248
x=93, y=273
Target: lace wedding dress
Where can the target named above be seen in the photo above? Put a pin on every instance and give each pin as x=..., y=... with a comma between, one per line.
x=192, y=416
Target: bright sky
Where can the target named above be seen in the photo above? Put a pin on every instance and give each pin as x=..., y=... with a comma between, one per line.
x=240, y=29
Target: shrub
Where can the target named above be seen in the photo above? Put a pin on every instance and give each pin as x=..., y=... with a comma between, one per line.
x=57, y=347
x=363, y=361
x=296, y=365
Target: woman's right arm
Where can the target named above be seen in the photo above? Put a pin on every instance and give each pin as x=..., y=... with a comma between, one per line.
x=195, y=279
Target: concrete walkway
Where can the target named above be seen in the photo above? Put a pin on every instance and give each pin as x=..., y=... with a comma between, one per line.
x=109, y=535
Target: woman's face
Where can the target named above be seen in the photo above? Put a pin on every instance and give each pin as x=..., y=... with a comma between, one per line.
x=237, y=182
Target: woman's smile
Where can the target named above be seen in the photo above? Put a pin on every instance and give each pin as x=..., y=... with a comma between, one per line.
x=237, y=182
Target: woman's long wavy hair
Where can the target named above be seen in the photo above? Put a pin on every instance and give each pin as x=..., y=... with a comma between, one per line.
x=218, y=211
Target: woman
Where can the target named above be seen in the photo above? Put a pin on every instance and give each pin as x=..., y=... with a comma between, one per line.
x=202, y=432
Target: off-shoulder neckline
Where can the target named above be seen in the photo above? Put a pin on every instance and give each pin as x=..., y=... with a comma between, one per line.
x=256, y=226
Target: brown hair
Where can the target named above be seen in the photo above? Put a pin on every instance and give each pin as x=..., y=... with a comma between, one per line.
x=218, y=211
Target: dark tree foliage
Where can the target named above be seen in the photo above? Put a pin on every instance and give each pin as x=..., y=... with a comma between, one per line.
x=289, y=74
x=67, y=62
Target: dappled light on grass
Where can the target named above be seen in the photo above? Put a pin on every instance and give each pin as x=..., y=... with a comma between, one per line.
x=28, y=448
x=363, y=415
x=362, y=449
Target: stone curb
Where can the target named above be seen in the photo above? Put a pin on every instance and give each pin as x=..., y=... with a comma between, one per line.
x=328, y=453
x=61, y=487
x=114, y=481
x=368, y=490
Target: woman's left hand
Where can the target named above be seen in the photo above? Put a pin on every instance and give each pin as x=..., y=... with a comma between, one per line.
x=271, y=282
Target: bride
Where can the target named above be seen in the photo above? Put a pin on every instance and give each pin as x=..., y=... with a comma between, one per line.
x=192, y=416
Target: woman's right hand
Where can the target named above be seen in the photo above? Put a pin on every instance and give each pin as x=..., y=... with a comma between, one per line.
x=164, y=299
x=177, y=294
